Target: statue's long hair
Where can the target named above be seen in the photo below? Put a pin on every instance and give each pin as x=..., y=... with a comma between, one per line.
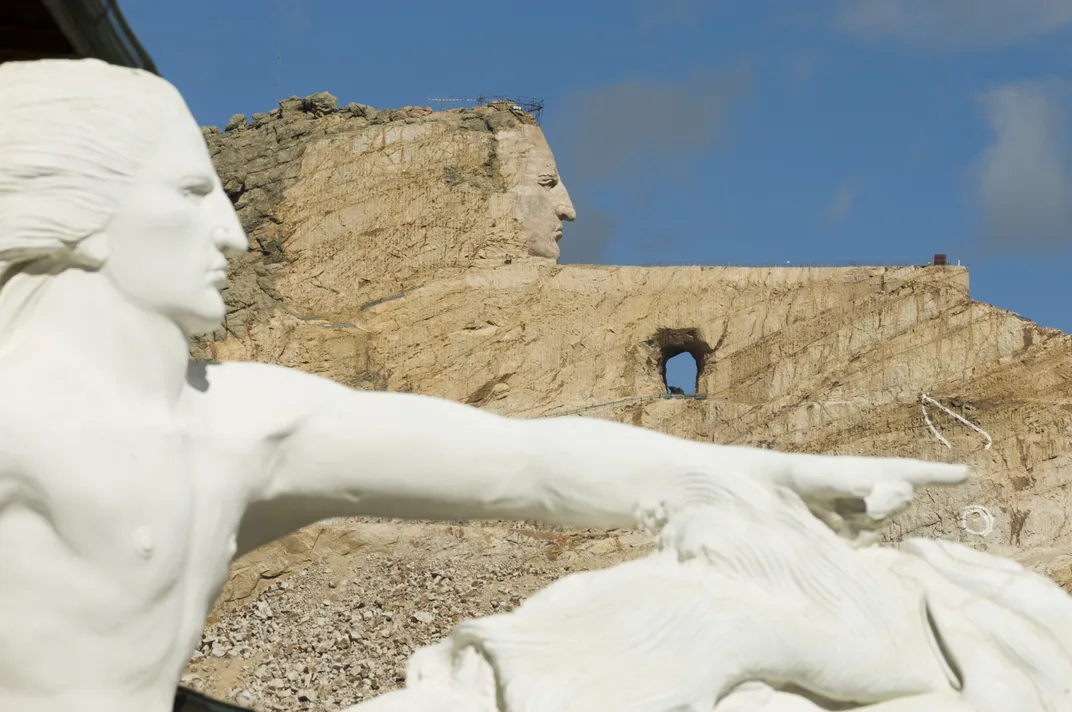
x=72, y=134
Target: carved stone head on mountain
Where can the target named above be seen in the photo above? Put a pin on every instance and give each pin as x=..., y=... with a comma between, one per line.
x=535, y=194
x=350, y=210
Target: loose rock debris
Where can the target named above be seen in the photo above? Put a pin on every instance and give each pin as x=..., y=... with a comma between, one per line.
x=339, y=631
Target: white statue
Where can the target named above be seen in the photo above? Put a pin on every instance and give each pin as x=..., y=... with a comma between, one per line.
x=751, y=605
x=130, y=478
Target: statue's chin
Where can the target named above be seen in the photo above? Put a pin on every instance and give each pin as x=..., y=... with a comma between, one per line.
x=199, y=329
x=203, y=330
x=202, y=322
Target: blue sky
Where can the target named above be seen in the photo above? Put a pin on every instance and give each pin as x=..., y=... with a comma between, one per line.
x=719, y=131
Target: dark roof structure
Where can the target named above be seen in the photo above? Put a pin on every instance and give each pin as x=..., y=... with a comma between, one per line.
x=42, y=29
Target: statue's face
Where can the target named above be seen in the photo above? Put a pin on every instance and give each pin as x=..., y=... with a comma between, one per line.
x=541, y=200
x=166, y=244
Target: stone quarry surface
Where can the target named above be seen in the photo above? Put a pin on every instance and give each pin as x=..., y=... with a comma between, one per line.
x=403, y=250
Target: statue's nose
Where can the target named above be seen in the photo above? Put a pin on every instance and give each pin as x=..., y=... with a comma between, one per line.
x=228, y=233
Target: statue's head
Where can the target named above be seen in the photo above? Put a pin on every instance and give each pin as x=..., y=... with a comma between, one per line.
x=541, y=201
x=103, y=169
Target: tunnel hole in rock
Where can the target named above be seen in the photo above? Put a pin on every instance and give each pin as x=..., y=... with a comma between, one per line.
x=681, y=373
x=682, y=355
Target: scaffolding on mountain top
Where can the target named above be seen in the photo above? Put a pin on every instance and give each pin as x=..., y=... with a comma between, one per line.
x=529, y=105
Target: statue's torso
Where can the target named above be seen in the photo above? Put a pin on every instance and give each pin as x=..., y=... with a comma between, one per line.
x=107, y=573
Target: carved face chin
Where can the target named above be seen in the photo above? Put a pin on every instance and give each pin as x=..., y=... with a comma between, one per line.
x=541, y=215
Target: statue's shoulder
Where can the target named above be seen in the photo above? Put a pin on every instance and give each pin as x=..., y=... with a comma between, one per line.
x=245, y=381
x=265, y=398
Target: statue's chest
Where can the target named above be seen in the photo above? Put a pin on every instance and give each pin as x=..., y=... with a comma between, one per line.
x=138, y=498
x=114, y=481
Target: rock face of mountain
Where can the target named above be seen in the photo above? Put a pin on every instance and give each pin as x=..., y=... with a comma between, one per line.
x=816, y=360
x=347, y=208
x=411, y=250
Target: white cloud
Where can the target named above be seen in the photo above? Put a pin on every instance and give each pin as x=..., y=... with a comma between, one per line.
x=600, y=126
x=841, y=204
x=954, y=24
x=1024, y=178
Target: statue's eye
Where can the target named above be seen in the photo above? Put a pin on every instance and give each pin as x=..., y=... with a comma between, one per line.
x=548, y=181
x=196, y=188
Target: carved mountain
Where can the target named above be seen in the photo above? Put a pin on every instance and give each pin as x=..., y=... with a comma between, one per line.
x=411, y=250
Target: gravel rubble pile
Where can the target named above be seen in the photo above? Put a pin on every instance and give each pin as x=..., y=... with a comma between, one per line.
x=335, y=634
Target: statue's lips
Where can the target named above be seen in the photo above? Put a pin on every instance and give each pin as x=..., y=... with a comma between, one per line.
x=218, y=279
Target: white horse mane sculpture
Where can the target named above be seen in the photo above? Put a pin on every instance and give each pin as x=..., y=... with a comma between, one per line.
x=130, y=478
x=752, y=605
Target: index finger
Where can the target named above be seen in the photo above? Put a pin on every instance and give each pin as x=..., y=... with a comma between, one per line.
x=857, y=475
x=919, y=472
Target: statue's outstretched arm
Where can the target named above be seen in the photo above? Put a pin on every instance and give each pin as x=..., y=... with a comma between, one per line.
x=339, y=452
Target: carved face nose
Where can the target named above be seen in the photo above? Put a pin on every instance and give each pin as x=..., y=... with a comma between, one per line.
x=564, y=207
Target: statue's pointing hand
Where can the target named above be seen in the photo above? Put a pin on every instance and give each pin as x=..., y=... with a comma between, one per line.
x=855, y=496
x=858, y=496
